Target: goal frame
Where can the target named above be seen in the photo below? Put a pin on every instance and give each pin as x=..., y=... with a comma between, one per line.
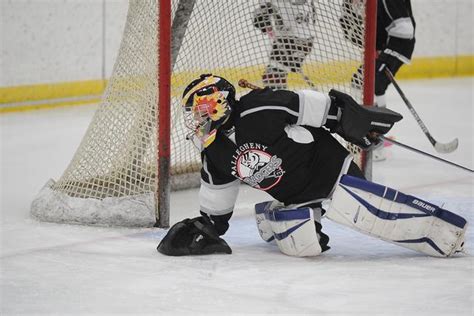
x=169, y=40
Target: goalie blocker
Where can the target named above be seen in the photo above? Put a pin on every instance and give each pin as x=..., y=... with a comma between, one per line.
x=370, y=208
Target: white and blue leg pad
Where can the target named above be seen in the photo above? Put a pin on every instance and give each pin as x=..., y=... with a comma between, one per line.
x=392, y=216
x=292, y=229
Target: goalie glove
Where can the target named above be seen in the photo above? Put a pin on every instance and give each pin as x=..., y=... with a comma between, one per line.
x=381, y=80
x=197, y=236
x=358, y=124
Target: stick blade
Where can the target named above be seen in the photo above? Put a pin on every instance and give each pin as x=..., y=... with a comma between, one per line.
x=447, y=147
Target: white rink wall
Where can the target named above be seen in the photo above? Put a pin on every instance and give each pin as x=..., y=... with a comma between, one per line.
x=443, y=27
x=45, y=41
x=49, y=41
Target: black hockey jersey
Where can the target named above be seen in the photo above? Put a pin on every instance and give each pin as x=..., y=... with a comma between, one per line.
x=276, y=145
x=396, y=28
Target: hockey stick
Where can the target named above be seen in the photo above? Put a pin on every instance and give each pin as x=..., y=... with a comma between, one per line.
x=439, y=147
x=243, y=83
x=307, y=80
x=424, y=153
x=300, y=72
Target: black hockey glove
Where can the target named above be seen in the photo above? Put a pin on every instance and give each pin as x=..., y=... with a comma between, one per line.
x=358, y=124
x=381, y=79
x=197, y=236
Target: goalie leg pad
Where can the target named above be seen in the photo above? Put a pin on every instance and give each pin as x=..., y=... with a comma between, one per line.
x=294, y=231
x=392, y=216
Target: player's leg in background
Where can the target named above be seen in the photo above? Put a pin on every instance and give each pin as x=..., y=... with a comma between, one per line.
x=275, y=78
x=287, y=55
x=297, y=49
x=382, y=82
x=275, y=75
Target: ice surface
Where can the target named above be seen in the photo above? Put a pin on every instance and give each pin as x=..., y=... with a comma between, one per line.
x=59, y=269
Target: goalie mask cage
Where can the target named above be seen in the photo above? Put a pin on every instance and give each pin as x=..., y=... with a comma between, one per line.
x=121, y=173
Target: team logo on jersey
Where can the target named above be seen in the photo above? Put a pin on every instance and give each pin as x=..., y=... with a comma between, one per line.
x=255, y=166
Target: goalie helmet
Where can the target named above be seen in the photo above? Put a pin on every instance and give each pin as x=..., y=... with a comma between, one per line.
x=207, y=104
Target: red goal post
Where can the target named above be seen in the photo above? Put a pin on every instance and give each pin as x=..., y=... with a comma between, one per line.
x=135, y=150
x=164, y=113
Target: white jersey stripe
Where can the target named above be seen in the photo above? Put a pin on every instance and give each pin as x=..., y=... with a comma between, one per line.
x=269, y=107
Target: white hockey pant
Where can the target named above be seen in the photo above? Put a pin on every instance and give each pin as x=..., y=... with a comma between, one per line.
x=395, y=217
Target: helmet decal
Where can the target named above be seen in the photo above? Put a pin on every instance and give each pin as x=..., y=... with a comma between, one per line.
x=207, y=105
x=213, y=105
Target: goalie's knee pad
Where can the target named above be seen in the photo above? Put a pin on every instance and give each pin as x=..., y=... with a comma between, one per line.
x=395, y=217
x=263, y=224
x=294, y=231
x=297, y=232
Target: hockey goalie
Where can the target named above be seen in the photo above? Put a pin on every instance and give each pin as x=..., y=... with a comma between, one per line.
x=281, y=142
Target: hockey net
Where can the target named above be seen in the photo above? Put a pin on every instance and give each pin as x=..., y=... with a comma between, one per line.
x=112, y=178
